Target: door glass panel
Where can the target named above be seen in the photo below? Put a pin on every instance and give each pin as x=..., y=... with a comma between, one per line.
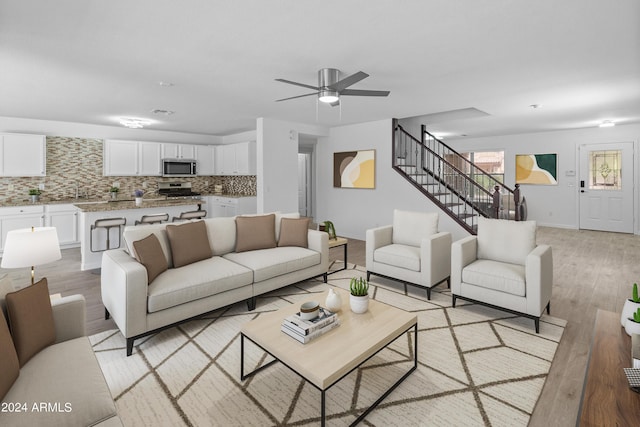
x=605, y=170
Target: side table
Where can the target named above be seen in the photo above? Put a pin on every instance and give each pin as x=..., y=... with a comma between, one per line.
x=334, y=243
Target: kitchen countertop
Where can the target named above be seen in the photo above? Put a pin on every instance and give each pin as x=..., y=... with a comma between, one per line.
x=116, y=205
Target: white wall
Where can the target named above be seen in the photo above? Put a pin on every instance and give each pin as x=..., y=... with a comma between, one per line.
x=353, y=211
x=277, y=163
x=557, y=205
x=239, y=137
x=82, y=130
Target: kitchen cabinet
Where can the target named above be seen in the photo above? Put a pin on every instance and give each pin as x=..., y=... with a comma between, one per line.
x=65, y=218
x=218, y=206
x=236, y=159
x=15, y=218
x=205, y=156
x=178, y=151
x=23, y=155
x=131, y=158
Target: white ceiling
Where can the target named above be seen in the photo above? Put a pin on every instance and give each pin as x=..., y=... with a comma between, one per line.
x=95, y=61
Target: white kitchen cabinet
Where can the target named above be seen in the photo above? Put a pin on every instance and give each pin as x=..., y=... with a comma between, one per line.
x=218, y=206
x=15, y=218
x=23, y=155
x=150, y=155
x=236, y=159
x=178, y=151
x=131, y=158
x=205, y=156
x=65, y=218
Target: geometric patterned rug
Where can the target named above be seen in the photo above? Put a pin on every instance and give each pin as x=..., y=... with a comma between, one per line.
x=476, y=367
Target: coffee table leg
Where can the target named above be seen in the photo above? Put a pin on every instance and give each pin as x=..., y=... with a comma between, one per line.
x=322, y=410
x=242, y=377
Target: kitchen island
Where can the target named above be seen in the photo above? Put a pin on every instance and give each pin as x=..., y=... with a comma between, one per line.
x=127, y=209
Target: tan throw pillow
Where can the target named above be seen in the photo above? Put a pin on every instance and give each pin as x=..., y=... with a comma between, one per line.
x=9, y=368
x=6, y=286
x=149, y=253
x=31, y=320
x=255, y=232
x=293, y=232
x=189, y=243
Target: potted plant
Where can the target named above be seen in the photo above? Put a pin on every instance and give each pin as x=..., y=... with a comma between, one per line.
x=138, y=195
x=113, y=191
x=631, y=305
x=34, y=193
x=329, y=228
x=633, y=323
x=359, y=298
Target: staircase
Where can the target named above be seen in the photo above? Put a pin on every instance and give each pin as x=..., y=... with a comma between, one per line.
x=461, y=189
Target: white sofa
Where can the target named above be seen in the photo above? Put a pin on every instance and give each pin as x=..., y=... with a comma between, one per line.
x=502, y=267
x=178, y=294
x=410, y=250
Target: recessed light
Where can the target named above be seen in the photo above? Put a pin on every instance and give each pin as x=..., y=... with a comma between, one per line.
x=165, y=84
x=607, y=124
x=134, y=123
x=164, y=112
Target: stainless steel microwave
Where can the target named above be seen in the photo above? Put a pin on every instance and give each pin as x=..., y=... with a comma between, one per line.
x=179, y=167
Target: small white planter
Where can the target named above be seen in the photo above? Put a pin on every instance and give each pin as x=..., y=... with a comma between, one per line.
x=138, y=201
x=628, y=309
x=114, y=195
x=359, y=304
x=632, y=327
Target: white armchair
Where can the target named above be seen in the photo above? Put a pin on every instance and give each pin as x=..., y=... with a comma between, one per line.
x=411, y=250
x=503, y=268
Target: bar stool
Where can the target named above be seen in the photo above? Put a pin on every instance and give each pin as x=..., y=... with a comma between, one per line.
x=184, y=216
x=153, y=219
x=108, y=224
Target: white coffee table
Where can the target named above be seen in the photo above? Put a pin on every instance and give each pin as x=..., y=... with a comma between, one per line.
x=329, y=358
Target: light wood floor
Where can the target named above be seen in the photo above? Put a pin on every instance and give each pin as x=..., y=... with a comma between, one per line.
x=592, y=270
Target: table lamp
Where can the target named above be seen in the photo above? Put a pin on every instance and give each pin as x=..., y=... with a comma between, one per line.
x=30, y=247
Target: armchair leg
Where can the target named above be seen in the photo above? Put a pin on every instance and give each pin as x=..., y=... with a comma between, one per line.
x=453, y=300
x=325, y=277
x=129, y=346
x=537, y=322
x=251, y=304
x=449, y=282
x=106, y=314
x=549, y=308
x=368, y=276
x=428, y=293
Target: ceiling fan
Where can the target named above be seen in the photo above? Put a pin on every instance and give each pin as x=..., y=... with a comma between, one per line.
x=330, y=87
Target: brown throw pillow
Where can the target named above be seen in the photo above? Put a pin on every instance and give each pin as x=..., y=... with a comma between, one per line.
x=293, y=232
x=9, y=368
x=149, y=253
x=31, y=320
x=255, y=232
x=189, y=243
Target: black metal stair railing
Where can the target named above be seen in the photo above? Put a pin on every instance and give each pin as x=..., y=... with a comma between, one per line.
x=461, y=189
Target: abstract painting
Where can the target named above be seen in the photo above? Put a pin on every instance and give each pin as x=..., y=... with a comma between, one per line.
x=541, y=169
x=354, y=169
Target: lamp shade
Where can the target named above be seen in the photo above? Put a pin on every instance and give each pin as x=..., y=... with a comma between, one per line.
x=29, y=247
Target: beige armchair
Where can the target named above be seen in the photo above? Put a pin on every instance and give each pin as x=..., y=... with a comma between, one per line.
x=502, y=267
x=410, y=250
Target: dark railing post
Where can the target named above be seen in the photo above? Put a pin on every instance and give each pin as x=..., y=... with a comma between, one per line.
x=496, y=202
x=516, y=199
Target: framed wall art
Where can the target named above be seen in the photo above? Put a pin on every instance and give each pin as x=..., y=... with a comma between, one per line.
x=540, y=169
x=354, y=169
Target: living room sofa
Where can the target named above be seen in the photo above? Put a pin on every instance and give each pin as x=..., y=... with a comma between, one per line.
x=62, y=383
x=241, y=266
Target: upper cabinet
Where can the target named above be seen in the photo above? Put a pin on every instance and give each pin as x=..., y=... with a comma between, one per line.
x=236, y=159
x=205, y=156
x=178, y=151
x=23, y=155
x=131, y=158
x=150, y=158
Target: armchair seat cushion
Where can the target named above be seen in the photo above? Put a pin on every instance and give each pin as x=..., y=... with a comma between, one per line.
x=499, y=276
x=401, y=256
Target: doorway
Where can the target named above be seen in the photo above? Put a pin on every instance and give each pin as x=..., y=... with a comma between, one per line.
x=306, y=177
x=607, y=179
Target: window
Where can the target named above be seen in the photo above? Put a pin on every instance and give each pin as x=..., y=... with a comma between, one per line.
x=604, y=170
x=491, y=162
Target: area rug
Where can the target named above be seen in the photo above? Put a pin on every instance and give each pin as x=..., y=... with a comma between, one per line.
x=477, y=366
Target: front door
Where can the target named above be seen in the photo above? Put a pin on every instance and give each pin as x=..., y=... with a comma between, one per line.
x=606, y=187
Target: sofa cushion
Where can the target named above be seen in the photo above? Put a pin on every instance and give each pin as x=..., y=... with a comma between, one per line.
x=6, y=286
x=409, y=228
x=499, y=276
x=268, y=263
x=189, y=243
x=194, y=281
x=222, y=234
x=506, y=241
x=401, y=256
x=10, y=367
x=31, y=320
x=294, y=232
x=66, y=374
x=255, y=232
x=149, y=253
x=134, y=233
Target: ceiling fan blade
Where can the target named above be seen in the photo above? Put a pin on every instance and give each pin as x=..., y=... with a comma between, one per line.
x=340, y=85
x=358, y=92
x=299, y=96
x=298, y=84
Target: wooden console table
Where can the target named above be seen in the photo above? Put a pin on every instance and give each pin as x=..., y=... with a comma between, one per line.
x=607, y=399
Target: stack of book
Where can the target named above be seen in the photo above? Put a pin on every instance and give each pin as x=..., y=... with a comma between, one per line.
x=306, y=330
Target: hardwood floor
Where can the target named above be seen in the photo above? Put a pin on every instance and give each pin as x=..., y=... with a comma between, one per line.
x=592, y=270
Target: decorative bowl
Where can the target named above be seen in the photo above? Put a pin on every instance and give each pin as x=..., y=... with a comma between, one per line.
x=309, y=310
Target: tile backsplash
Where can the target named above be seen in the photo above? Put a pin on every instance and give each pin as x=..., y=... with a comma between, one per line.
x=75, y=164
